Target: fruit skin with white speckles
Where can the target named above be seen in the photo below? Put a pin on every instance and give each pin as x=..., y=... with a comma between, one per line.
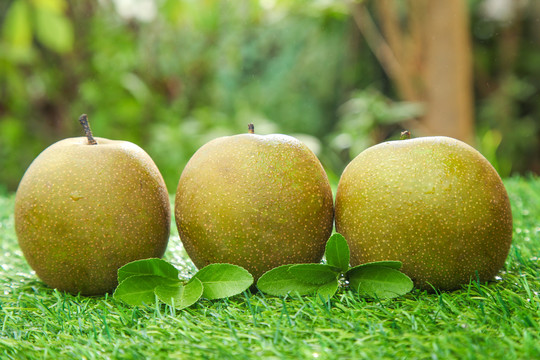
x=82, y=211
x=254, y=201
x=434, y=203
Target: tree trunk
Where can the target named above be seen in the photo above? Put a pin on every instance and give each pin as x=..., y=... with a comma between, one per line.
x=448, y=71
x=428, y=57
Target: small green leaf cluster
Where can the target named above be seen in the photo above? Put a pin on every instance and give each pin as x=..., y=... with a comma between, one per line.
x=381, y=279
x=145, y=281
x=141, y=282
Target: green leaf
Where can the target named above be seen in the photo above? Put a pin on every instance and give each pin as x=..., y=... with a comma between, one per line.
x=139, y=289
x=329, y=289
x=17, y=27
x=337, y=252
x=379, y=281
x=180, y=295
x=316, y=274
x=223, y=280
x=55, y=6
x=387, y=263
x=154, y=266
x=280, y=281
x=54, y=30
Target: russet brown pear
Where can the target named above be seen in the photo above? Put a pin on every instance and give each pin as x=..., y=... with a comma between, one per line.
x=434, y=203
x=84, y=210
x=254, y=201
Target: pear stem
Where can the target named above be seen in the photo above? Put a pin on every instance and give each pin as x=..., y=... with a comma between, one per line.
x=405, y=135
x=83, y=119
x=251, y=129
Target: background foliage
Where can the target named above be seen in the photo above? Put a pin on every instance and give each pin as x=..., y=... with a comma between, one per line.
x=170, y=75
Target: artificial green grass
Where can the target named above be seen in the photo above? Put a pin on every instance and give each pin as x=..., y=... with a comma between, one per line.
x=481, y=321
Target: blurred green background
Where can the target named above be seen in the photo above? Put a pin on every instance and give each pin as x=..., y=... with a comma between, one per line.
x=170, y=75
